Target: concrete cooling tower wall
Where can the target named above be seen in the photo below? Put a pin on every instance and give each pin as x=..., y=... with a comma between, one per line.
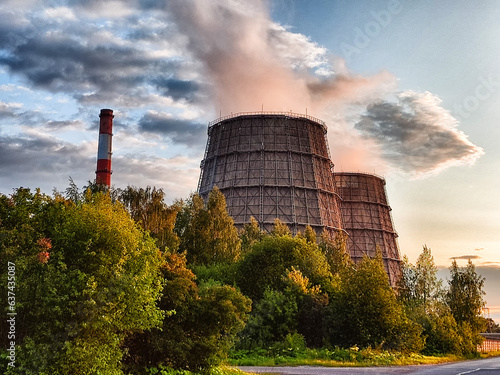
x=277, y=165
x=272, y=165
x=366, y=217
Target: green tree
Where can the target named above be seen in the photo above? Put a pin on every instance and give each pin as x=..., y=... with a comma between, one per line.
x=250, y=235
x=280, y=228
x=311, y=303
x=465, y=298
x=87, y=277
x=273, y=318
x=310, y=234
x=207, y=232
x=442, y=335
x=427, y=285
x=270, y=260
x=201, y=329
x=420, y=290
x=336, y=252
x=366, y=312
x=148, y=208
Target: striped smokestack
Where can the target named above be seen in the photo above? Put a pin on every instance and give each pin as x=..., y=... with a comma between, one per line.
x=103, y=172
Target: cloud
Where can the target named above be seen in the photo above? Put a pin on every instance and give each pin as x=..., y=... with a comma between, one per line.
x=416, y=134
x=253, y=63
x=168, y=67
x=178, y=176
x=178, y=89
x=182, y=131
x=92, y=61
x=34, y=160
x=467, y=257
x=8, y=110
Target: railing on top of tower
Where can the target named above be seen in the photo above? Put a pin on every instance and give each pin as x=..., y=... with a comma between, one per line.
x=283, y=113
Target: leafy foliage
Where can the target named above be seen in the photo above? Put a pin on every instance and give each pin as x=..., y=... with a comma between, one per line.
x=201, y=329
x=207, y=232
x=366, y=312
x=147, y=207
x=98, y=283
x=105, y=272
x=465, y=300
x=270, y=259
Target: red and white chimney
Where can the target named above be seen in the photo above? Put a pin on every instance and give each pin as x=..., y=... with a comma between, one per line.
x=103, y=172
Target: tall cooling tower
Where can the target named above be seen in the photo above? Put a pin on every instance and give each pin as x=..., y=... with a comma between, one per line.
x=366, y=217
x=272, y=165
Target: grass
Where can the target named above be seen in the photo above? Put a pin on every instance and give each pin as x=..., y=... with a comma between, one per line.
x=219, y=370
x=341, y=358
x=319, y=357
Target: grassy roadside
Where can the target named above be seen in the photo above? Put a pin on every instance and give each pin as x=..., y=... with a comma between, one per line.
x=343, y=358
x=362, y=358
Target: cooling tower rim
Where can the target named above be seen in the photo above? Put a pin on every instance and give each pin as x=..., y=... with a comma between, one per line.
x=268, y=114
x=360, y=174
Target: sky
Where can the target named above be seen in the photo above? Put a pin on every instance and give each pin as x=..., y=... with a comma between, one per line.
x=409, y=90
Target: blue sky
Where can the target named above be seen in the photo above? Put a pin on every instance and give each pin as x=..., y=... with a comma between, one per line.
x=409, y=90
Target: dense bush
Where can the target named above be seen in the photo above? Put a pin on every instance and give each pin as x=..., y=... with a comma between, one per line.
x=105, y=287
x=200, y=329
x=270, y=259
x=366, y=312
x=86, y=277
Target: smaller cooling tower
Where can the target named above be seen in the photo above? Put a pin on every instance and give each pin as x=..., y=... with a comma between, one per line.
x=366, y=217
x=272, y=165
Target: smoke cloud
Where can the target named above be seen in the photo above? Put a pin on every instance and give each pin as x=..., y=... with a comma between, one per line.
x=166, y=68
x=253, y=63
x=416, y=134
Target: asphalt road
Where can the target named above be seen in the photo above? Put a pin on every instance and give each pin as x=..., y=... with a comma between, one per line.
x=489, y=366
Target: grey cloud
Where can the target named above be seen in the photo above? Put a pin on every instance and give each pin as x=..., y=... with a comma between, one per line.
x=178, y=89
x=416, y=135
x=44, y=162
x=181, y=131
x=56, y=125
x=74, y=58
x=36, y=153
x=66, y=65
x=6, y=111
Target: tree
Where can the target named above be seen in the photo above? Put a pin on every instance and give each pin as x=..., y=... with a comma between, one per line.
x=336, y=252
x=273, y=317
x=427, y=286
x=270, y=260
x=366, y=312
x=147, y=207
x=200, y=328
x=207, y=232
x=87, y=277
x=465, y=294
x=310, y=234
x=280, y=228
x=250, y=235
x=465, y=298
x=419, y=287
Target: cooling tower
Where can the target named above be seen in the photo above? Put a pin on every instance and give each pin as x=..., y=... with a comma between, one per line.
x=272, y=165
x=366, y=217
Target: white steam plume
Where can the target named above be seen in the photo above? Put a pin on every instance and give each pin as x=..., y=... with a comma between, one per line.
x=252, y=62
